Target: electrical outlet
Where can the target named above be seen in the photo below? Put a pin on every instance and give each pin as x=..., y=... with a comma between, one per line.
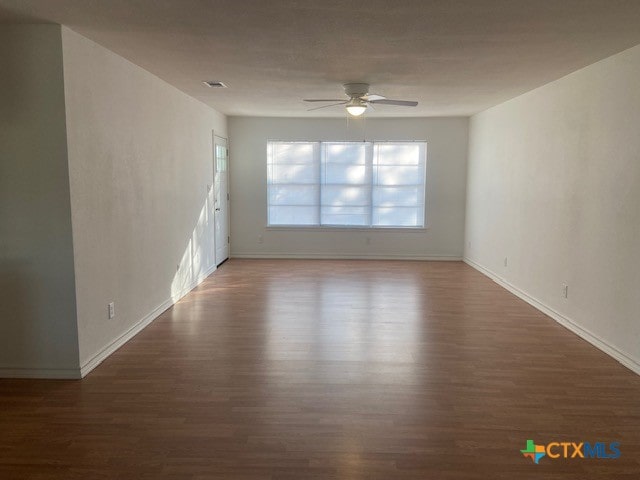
x=112, y=310
x=506, y=261
x=260, y=239
x=565, y=290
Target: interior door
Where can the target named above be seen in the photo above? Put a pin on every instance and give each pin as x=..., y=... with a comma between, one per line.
x=221, y=198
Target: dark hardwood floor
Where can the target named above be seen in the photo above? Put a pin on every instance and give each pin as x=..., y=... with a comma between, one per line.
x=331, y=370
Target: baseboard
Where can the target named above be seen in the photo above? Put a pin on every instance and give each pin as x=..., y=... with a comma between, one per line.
x=41, y=373
x=601, y=344
x=103, y=354
x=348, y=256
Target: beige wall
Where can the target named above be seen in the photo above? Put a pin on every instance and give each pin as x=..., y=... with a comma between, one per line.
x=140, y=161
x=445, y=202
x=37, y=293
x=554, y=185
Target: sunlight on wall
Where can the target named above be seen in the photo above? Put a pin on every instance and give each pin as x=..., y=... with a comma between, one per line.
x=199, y=254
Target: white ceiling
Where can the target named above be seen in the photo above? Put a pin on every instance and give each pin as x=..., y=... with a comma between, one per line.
x=456, y=57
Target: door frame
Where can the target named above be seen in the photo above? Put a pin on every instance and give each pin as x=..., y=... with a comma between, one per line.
x=226, y=203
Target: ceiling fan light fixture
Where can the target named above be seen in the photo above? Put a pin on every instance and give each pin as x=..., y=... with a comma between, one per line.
x=356, y=107
x=359, y=100
x=356, y=110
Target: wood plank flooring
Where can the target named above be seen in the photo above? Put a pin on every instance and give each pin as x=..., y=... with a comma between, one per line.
x=289, y=370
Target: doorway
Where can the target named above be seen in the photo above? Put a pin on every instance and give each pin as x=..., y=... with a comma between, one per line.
x=221, y=198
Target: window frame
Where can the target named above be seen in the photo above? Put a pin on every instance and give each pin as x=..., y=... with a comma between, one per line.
x=352, y=228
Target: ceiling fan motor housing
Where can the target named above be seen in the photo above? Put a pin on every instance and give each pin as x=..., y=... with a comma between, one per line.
x=356, y=90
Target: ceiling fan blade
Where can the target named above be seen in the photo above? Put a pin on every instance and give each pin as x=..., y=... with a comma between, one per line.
x=323, y=100
x=326, y=106
x=402, y=103
x=372, y=96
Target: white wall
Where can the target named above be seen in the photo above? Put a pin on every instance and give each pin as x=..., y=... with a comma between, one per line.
x=554, y=185
x=37, y=293
x=140, y=160
x=446, y=182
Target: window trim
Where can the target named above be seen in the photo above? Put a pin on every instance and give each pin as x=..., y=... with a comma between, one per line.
x=328, y=228
x=351, y=228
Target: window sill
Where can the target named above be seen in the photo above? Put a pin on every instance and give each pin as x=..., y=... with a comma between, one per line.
x=324, y=228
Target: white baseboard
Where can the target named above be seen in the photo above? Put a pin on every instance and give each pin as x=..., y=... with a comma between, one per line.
x=42, y=373
x=348, y=256
x=99, y=357
x=625, y=359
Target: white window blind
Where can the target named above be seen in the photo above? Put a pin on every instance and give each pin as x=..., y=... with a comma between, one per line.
x=294, y=183
x=346, y=184
x=345, y=181
x=398, y=184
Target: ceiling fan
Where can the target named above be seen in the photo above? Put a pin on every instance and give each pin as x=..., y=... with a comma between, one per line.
x=360, y=99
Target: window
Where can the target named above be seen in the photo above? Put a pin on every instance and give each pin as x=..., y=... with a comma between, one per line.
x=346, y=184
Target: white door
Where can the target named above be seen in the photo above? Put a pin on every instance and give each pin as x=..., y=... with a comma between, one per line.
x=221, y=198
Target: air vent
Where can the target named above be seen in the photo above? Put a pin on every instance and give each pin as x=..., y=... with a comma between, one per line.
x=214, y=84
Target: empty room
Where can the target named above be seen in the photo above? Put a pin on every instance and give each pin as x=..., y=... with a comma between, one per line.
x=342, y=240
